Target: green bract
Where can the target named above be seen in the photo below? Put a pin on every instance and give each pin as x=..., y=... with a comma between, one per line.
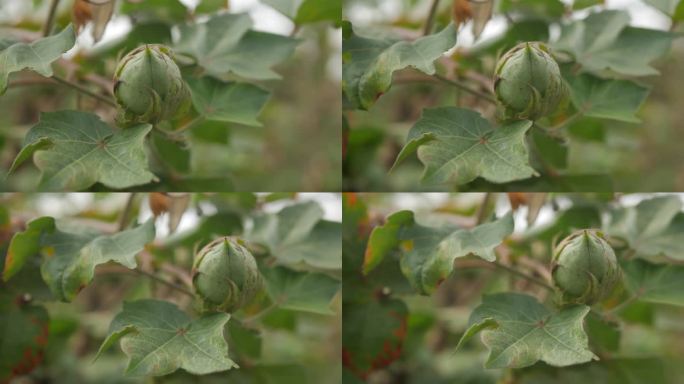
x=584, y=268
x=225, y=275
x=149, y=87
x=528, y=82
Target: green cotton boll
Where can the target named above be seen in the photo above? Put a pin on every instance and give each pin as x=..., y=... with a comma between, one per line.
x=528, y=82
x=584, y=269
x=225, y=275
x=149, y=86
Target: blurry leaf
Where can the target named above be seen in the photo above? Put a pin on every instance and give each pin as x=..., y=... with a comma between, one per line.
x=368, y=64
x=553, y=150
x=227, y=101
x=159, y=338
x=603, y=41
x=519, y=331
x=179, y=204
x=225, y=43
x=603, y=336
x=428, y=253
x=24, y=330
x=211, y=6
x=173, y=152
x=654, y=227
x=248, y=340
x=668, y=7
x=297, y=235
x=608, y=371
x=70, y=258
x=147, y=10
x=76, y=150
x=308, y=11
x=300, y=291
x=538, y=8
x=37, y=56
x=655, y=283
x=607, y=99
x=373, y=335
x=458, y=145
x=581, y=4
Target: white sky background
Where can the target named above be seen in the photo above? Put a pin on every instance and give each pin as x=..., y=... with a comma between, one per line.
x=642, y=15
x=61, y=205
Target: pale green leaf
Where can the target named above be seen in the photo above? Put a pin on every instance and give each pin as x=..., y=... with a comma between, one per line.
x=607, y=99
x=226, y=44
x=36, y=56
x=655, y=283
x=76, y=150
x=159, y=338
x=653, y=227
x=308, y=11
x=603, y=41
x=519, y=331
x=458, y=145
x=228, y=101
x=300, y=291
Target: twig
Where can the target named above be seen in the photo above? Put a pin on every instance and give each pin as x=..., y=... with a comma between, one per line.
x=126, y=214
x=616, y=309
x=165, y=282
x=482, y=211
x=262, y=313
x=466, y=88
x=430, y=21
x=523, y=275
x=83, y=90
x=49, y=22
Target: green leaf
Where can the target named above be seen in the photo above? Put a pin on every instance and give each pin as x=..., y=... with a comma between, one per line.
x=24, y=245
x=36, y=56
x=668, y=7
x=211, y=6
x=519, y=331
x=538, y=8
x=168, y=11
x=228, y=101
x=458, y=145
x=24, y=330
x=300, y=291
x=225, y=44
x=173, y=152
x=70, y=258
x=609, y=371
x=428, y=254
x=297, y=235
x=373, y=334
x=655, y=283
x=603, y=41
x=653, y=227
x=308, y=11
x=368, y=64
x=76, y=150
x=159, y=338
x=607, y=99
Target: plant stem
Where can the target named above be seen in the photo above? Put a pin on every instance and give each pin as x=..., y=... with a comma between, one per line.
x=162, y=281
x=523, y=275
x=466, y=88
x=49, y=22
x=125, y=216
x=622, y=305
x=430, y=21
x=262, y=313
x=189, y=124
x=83, y=90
